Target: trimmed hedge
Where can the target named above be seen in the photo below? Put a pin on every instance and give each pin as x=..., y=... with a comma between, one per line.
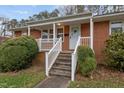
x=86, y=60
x=17, y=53
x=114, y=51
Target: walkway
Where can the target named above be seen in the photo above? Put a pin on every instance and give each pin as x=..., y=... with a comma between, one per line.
x=54, y=82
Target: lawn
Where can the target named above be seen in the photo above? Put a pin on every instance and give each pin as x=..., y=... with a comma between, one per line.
x=103, y=77
x=23, y=79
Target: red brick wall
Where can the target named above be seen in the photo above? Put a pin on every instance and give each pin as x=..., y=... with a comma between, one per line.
x=85, y=29
x=101, y=33
x=17, y=33
x=36, y=33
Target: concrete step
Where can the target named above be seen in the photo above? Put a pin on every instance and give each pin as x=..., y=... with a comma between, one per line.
x=60, y=58
x=65, y=55
x=57, y=72
x=68, y=63
x=66, y=52
x=62, y=67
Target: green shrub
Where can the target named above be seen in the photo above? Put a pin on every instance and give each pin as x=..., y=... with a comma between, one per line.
x=114, y=51
x=87, y=66
x=84, y=52
x=17, y=53
x=86, y=60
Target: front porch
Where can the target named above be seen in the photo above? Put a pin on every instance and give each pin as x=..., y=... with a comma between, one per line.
x=68, y=31
x=56, y=45
x=62, y=35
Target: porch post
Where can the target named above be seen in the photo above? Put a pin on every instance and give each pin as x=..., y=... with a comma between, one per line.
x=29, y=30
x=91, y=33
x=13, y=33
x=54, y=33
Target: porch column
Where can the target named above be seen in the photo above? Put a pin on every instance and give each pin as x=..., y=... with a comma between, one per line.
x=54, y=33
x=29, y=30
x=13, y=33
x=91, y=32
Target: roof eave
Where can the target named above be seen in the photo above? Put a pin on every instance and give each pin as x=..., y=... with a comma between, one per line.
x=60, y=18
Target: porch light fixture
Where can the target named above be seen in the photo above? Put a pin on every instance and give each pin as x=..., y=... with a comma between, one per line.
x=58, y=24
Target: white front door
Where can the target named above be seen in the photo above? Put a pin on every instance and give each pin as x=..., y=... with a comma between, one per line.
x=74, y=34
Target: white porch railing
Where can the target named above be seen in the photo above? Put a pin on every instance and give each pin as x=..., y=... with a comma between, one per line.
x=45, y=44
x=38, y=43
x=52, y=55
x=85, y=41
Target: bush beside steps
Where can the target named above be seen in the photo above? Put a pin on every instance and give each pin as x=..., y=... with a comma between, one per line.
x=114, y=51
x=86, y=61
x=17, y=53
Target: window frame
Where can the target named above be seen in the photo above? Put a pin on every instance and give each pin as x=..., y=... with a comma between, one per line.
x=48, y=30
x=43, y=34
x=62, y=31
x=110, y=26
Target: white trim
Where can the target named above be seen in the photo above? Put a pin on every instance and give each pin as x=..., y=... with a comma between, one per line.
x=70, y=26
x=54, y=33
x=29, y=30
x=109, y=27
x=108, y=15
x=41, y=34
x=91, y=32
x=46, y=58
x=67, y=20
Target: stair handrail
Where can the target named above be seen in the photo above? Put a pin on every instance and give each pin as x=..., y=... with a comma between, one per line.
x=74, y=59
x=53, y=53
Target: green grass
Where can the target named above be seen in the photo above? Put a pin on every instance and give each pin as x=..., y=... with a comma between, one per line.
x=22, y=79
x=97, y=84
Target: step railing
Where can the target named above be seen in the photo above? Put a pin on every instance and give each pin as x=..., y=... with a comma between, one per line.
x=85, y=41
x=52, y=55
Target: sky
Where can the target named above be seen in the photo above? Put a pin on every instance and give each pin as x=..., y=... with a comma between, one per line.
x=23, y=11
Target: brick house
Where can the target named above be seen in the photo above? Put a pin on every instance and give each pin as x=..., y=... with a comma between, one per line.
x=74, y=30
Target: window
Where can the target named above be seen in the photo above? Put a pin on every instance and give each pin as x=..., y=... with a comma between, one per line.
x=116, y=27
x=60, y=33
x=48, y=34
x=45, y=34
x=24, y=33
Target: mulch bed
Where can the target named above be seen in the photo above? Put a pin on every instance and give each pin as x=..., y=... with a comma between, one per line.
x=102, y=72
x=2, y=39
